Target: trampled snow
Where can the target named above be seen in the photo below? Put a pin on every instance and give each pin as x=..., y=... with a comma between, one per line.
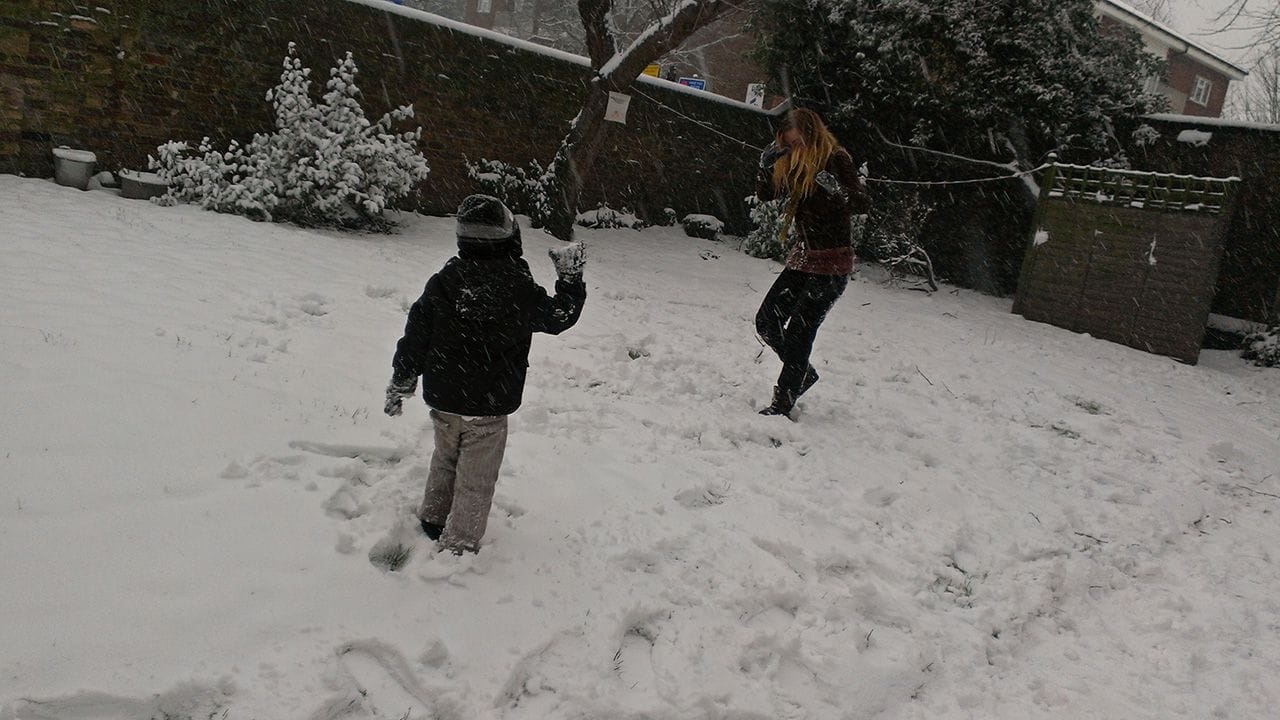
x=974, y=516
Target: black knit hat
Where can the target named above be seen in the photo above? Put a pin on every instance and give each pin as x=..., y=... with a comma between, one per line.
x=483, y=219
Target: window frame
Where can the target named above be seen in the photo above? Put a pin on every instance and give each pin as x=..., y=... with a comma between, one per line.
x=1196, y=97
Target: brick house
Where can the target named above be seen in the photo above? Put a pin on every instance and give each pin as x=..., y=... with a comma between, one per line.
x=1196, y=79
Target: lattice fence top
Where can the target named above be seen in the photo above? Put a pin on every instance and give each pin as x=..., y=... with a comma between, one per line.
x=1130, y=188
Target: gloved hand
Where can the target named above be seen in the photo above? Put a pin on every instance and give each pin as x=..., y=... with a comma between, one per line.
x=771, y=155
x=569, y=261
x=396, y=393
x=829, y=183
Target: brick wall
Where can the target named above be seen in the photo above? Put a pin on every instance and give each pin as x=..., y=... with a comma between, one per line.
x=121, y=76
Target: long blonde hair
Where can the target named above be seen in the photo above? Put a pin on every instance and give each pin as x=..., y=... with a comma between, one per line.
x=794, y=174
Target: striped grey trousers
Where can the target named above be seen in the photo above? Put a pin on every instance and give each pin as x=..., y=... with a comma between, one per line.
x=464, y=471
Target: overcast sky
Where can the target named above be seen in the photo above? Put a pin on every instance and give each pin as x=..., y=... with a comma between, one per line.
x=1196, y=17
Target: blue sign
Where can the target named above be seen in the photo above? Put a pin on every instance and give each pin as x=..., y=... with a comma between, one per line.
x=695, y=83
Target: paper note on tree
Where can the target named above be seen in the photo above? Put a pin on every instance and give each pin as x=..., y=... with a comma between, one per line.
x=617, y=109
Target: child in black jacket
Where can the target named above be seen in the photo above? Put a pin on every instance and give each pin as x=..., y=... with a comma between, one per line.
x=468, y=338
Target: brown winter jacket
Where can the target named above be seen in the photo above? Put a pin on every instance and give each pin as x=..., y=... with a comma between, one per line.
x=821, y=238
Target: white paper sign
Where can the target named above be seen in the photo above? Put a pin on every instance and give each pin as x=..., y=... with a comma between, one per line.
x=617, y=110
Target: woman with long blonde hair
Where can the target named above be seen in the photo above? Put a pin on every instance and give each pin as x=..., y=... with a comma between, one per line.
x=818, y=183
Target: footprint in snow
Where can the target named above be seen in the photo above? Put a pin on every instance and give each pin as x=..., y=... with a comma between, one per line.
x=633, y=661
x=773, y=615
x=703, y=496
x=185, y=700
x=380, y=681
x=370, y=455
x=393, y=551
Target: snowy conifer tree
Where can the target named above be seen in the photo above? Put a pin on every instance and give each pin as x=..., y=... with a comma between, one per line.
x=325, y=163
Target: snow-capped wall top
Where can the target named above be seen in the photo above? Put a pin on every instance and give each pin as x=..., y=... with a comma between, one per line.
x=1213, y=122
x=456, y=26
x=424, y=16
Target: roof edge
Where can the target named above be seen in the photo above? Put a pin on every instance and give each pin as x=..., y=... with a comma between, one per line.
x=1123, y=12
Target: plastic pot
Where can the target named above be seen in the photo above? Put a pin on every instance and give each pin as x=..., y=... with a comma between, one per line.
x=73, y=168
x=141, y=185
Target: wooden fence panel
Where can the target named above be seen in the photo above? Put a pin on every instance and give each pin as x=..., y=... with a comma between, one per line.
x=1126, y=257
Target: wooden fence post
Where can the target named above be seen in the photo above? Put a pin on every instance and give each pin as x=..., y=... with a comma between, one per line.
x=1037, y=218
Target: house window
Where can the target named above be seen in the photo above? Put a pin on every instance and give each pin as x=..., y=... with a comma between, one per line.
x=1200, y=93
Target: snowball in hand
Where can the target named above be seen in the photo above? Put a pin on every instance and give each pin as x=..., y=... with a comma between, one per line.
x=569, y=260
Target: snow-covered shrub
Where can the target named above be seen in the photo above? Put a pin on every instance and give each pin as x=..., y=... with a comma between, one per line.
x=895, y=226
x=892, y=237
x=1145, y=136
x=324, y=164
x=1263, y=348
x=523, y=190
x=669, y=217
x=766, y=229
x=606, y=218
x=702, y=226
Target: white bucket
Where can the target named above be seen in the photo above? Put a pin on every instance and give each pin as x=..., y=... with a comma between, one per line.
x=73, y=168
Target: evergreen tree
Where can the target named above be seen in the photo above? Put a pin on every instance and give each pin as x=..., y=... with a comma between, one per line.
x=1003, y=80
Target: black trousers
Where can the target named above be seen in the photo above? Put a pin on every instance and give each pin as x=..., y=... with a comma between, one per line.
x=789, y=317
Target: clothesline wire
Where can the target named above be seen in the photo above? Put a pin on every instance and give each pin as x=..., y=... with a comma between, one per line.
x=887, y=181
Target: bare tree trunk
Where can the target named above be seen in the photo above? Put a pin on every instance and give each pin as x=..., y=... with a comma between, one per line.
x=575, y=158
x=615, y=72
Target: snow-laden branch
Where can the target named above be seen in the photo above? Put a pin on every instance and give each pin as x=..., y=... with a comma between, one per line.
x=660, y=38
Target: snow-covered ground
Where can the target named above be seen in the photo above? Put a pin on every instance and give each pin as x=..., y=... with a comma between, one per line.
x=975, y=516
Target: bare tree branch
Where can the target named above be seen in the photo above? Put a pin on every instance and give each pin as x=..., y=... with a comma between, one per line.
x=1260, y=18
x=1257, y=98
x=1160, y=10
x=1230, y=15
